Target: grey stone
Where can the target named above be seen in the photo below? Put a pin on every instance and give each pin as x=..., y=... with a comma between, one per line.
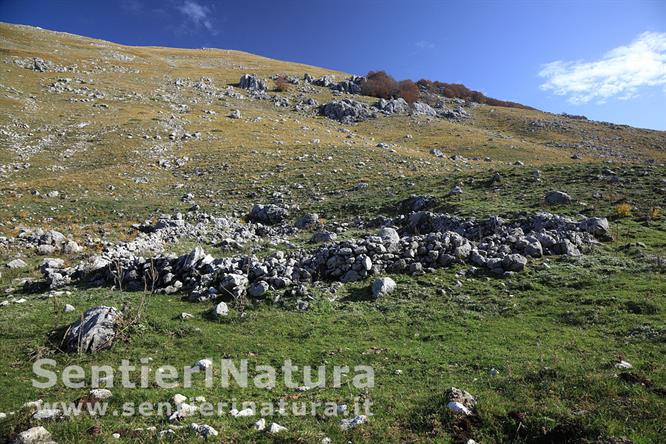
x=252, y=83
x=34, y=435
x=323, y=236
x=258, y=289
x=308, y=220
x=268, y=214
x=95, y=333
x=514, y=262
x=347, y=111
x=557, y=198
x=16, y=264
x=389, y=235
x=382, y=287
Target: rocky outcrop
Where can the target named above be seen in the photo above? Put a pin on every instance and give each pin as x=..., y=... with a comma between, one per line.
x=392, y=106
x=252, y=83
x=347, y=111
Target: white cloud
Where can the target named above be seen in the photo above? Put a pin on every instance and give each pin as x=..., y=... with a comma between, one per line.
x=424, y=44
x=197, y=13
x=619, y=73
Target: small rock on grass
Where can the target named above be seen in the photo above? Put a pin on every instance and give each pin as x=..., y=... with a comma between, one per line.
x=203, y=430
x=179, y=399
x=221, y=310
x=100, y=394
x=350, y=423
x=35, y=435
x=203, y=364
x=624, y=365
x=16, y=264
x=276, y=428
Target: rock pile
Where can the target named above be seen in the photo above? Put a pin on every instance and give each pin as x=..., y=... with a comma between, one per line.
x=428, y=241
x=347, y=111
x=47, y=241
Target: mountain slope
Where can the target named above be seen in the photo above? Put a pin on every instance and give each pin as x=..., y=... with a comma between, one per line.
x=148, y=162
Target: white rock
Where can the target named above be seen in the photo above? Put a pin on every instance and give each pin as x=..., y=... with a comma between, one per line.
x=32, y=405
x=276, y=428
x=179, y=399
x=183, y=411
x=16, y=264
x=260, y=425
x=68, y=308
x=203, y=430
x=163, y=433
x=221, y=310
x=100, y=393
x=35, y=435
x=242, y=413
x=46, y=414
x=116, y=435
x=624, y=365
x=203, y=364
x=458, y=407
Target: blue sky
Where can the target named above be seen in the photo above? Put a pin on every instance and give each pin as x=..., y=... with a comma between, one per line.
x=603, y=59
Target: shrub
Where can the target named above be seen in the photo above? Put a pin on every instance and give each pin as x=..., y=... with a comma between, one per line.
x=623, y=210
x=408, y=91
x=654, y=213
x=460, y=91
x=379, y=84
x=282, y=84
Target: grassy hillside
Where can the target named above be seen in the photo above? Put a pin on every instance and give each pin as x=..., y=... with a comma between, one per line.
x=141, y=127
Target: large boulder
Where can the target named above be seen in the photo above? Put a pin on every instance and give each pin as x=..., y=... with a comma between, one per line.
x=392, y=106
x=389, y=235
x=325, y=81
x=94, y=332
x=308, y=220
x=348, y=86
x=252, y=83
x=323, y=236
x=557, y=198
x=417, y=203
x=423, y=109
x=258, y=289
x=190, y=261
x=268, y=214
x=233, y=285
x=346, y=110
x=597, y=226
x=382, y=287
x=514, y=262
